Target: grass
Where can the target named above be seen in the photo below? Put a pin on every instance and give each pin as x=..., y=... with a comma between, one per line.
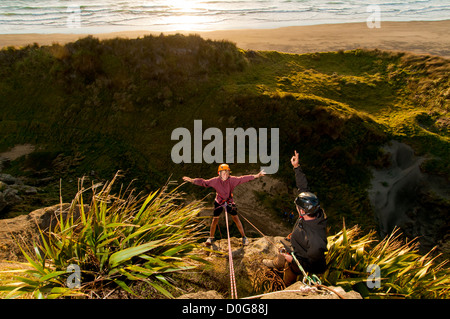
x=116, y=241
x=115, y=103
x=403, y=272
x=128, y=245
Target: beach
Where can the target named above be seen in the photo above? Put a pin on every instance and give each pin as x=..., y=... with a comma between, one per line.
x=419, y=37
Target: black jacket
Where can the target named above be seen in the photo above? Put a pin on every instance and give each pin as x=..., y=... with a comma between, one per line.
x=309, y=237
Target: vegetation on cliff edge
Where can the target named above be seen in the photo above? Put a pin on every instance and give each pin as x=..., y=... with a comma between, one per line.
x=110, y=105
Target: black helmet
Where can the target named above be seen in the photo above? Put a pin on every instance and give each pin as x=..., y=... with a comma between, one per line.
x=308, y=202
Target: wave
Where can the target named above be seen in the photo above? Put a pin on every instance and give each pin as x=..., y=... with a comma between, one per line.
x=218, y=12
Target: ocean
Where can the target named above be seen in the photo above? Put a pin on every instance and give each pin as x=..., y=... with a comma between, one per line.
x=97, y=16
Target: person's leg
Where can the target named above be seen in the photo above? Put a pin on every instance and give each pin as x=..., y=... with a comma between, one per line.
x=232, y=210
x=290, y=276
x=277, y=262
x=214, y=223
x=238, y=223
x=290, y=271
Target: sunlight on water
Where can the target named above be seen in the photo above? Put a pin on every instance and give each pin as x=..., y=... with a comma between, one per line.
x=79, y=16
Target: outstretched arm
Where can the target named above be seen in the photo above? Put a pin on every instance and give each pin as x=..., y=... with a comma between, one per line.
x=188, y=179
x=198, y=181
x=236, y=180
x=300, y=178
x=262, y=173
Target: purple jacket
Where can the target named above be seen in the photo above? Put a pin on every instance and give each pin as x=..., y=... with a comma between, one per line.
x=224, y=189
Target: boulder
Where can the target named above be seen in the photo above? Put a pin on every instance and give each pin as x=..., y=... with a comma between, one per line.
x=12, y=191
x=251, y=275
x=24, y=189
x=7, y=179
x=299, y=290
x=24, y=230
x=210, y=294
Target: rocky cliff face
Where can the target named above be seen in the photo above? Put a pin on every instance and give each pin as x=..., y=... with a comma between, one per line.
x=403, y=195
x=24, y=229
x=12, y=191
x=252, y=277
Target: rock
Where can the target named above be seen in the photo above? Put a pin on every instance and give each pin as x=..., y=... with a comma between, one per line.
x=251, y=275
x=9, y=198
x=3, y=203
x=247, y=260
x=250, y=206
x=45, y=181
x=7, y=179
x=11, y=190
x=17, y=151
x=403, y=195
x=299, y=290
x=30, y=190
x=211, y=294
x=25, y=189
x=24, y=229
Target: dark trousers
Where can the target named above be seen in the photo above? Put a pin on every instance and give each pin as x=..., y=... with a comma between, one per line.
x=218, y=209
x=290, y=269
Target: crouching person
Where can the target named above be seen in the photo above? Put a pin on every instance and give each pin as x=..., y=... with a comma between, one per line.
x=308, y=239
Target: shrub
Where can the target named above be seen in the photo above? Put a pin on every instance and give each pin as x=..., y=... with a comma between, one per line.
x=118, y=240
x=403, y=272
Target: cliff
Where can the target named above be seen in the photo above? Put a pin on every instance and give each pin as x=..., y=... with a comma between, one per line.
x=249, y=269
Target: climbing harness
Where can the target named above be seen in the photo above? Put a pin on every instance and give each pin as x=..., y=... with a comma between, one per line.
x=311, y=282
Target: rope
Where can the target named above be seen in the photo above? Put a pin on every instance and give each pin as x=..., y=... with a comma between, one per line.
x=314, y=280
x=332, y=290
x=230, y=261
x=267, y=238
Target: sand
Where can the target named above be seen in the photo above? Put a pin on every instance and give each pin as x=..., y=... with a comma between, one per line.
x=17, y=151
x=420, y=37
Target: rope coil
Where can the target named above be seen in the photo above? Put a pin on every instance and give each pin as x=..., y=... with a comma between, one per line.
x=313, y=281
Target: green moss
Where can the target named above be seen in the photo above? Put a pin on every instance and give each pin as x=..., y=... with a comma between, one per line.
x=116, y=102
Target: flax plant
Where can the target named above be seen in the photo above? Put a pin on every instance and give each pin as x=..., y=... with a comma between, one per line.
x=116, y=240
x=402, y=271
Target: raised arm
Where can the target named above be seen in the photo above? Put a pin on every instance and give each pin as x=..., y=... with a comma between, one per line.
x=300, y=177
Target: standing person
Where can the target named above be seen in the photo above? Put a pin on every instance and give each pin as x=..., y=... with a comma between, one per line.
x=291, y=218
x=308, y=239
x=224, y=185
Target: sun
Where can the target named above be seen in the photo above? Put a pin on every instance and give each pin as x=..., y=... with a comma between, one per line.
x=186, y=15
